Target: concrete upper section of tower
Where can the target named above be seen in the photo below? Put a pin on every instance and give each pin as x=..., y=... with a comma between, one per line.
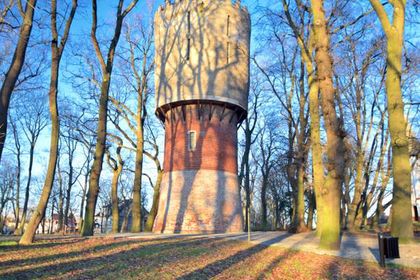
x=202, y=54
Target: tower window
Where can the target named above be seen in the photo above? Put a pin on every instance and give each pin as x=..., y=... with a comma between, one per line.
x=191, y=140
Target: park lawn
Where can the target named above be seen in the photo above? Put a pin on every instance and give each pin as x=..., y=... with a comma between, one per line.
x=178, y=258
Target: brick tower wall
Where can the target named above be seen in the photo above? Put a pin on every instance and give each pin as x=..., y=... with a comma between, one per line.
x=199, y=191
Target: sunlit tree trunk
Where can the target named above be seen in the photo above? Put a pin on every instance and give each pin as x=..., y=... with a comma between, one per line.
x=117, y=167
x=331, y=189
x=401, y=225
x=156, y=189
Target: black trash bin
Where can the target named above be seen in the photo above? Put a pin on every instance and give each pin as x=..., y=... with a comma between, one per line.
x=388, y=247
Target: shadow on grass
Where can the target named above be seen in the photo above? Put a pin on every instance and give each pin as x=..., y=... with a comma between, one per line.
x=361, y=269
x=219, y=266
x=43, y=243
x=157, y=252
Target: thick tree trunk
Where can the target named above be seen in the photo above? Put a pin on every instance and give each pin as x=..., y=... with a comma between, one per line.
x=95, y=173
x=299, y=211
x=331, y=189
x=401, y=225
x=12, y=74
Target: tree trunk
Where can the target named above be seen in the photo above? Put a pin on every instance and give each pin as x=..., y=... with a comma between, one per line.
x=264, y=225
x=299, y=211
x=117, y=167
x=311, y=210
x=138, y=173
x=114, y=199
x=95, y=173
x=401, y=225
x=82, y=202
x=68, y=190
x=354, y=206
x=155, y=204
x=12, y=74
x=331, y=189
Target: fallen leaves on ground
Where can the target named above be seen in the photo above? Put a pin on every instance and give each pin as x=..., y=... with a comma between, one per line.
x=178, y=258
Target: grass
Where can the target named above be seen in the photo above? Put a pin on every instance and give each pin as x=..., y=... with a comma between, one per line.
x=181, y=258
x=7, y=243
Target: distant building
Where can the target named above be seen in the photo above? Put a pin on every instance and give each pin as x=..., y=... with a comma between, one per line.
x=103, y=220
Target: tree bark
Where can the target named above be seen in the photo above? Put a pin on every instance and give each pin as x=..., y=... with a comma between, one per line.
x=331, y=189
x=401, y=225
x=155, y=204
x=138, y=173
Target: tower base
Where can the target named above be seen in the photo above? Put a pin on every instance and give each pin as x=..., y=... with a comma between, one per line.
x=199, y=201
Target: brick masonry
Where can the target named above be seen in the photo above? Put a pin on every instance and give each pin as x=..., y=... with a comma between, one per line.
x=199, y=201
x=216, y=138
x=199, y=191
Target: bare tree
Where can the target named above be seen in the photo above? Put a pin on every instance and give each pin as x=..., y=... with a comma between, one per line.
x=106, y=68
x=15, y=68
x=56, y=54
x=33, y=120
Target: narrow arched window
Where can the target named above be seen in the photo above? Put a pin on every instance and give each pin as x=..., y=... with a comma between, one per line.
x=191, y=140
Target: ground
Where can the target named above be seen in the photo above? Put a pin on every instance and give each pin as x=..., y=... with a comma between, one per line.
x=181, y=257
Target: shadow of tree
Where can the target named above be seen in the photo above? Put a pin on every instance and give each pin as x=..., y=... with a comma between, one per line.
x=219, y=266
x=83, y=262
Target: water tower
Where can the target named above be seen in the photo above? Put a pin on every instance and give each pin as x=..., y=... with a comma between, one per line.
x=201, y=83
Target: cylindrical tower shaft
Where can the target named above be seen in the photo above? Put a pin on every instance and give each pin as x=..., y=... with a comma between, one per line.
x=202, y=80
